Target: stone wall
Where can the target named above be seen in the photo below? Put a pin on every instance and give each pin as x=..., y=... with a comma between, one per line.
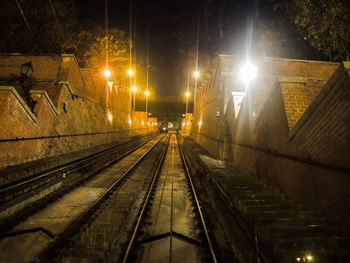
x=291, y=130
x=73, y=109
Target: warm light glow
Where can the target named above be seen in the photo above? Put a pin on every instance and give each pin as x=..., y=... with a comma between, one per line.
x=142, y=122
x=188, y=123
x=110, y=84
x=196, y=74
x=147, y=93
x=248, y=72
x=298, y=259
x=309, y=257
x=164, y=129
x=130, y=121
x=183, y=124
x=187, y=94
x=134, y=88
x=110, y=116
x=147, y=123
x=107, y=73
x=152, y=123
x=200, y=123
x=130, y=72
x=156, y=124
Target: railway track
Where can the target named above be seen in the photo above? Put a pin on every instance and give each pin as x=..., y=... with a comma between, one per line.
x=25, y=241
x=94, y=235
x=18, y=196
x=170, y=226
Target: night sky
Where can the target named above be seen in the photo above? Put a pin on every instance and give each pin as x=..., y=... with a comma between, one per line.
x=172, y=27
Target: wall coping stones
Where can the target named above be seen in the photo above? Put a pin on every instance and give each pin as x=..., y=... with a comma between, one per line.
x=46, y=96
x=24, y=105
x=284, y=79
x=332, y=83
x=282, y=59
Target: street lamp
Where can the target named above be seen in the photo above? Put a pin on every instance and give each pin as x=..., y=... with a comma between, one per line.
x=133, y=112
x=147, y=94
x=187, y=96
x=248, y=72
x=107, y=73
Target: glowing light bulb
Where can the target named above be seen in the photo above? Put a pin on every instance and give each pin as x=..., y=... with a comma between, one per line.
x=110, y=116
x=187, y=94
x=134, y=89
x=130, y=72
x=147, y=92
x=107, y=73
x=196, y=74
x=248, y=72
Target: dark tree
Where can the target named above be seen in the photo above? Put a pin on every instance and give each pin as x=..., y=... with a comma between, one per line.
x=325, y=24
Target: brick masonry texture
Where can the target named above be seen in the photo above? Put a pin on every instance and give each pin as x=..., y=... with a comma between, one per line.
x=292, y=130
x=68, y=101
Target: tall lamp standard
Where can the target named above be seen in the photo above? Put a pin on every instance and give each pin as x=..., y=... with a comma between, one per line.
x=147, y=94
x=187, y=95
x=130, y=72
x=133, y=107
x=196, y=75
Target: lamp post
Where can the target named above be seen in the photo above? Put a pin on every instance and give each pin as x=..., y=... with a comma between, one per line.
x=196, y=75
x=133, y=111
x=187, y=96
x=147, y=94
x=130, y=72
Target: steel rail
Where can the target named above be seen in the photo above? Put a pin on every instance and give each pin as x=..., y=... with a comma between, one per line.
x=76, y=223
x=68, y=168
x=212, y=253
x=150, y=189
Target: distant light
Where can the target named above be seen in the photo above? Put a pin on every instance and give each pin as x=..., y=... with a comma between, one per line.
x=188, y=123
x=107, y=73
x=183, y=115
x=110, y=84
x=134, y=88
x=196, y=74
x=130, y=72
x=164, y=129
x=200, y=123
x=248, y=72
x=142, y=122
x=156, y=124
x=309, y=257
x=152, y=123
x=183, y=124
x=130, y=121
x=187, y=94
x=149, y=114
x=110, y=116
x=147, y=93
x=298, y=259
x=147, y=123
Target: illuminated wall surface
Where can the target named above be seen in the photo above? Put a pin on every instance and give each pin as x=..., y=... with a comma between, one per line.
x=289, y=127
x=68, y=101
